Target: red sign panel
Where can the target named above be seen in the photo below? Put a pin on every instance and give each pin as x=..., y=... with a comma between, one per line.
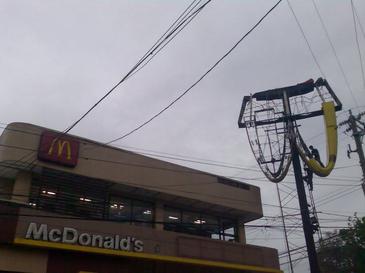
x=58, y=148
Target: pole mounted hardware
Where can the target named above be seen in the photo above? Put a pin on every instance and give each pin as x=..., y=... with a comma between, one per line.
x=271, y=120
x=357, y=127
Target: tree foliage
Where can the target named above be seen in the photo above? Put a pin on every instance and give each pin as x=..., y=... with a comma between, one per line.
x=343, y=251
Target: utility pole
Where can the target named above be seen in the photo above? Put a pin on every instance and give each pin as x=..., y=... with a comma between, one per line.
x=358, y=130
x=271, y=119
x=302, y=197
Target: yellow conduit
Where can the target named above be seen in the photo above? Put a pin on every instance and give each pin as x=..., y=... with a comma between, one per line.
x=329, y=115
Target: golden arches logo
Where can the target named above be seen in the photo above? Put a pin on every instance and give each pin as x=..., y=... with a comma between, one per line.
x=61, y=144
x=58, y=149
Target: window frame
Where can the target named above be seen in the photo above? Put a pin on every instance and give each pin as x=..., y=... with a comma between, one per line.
x=222, y=235
x=131, y=217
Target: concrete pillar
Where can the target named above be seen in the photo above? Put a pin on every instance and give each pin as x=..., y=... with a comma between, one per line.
x=6, y=188
x=241, y=233
x=21, y=188
x=159, y=215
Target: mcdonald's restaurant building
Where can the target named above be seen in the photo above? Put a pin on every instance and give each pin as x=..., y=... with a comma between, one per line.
x=69, y=204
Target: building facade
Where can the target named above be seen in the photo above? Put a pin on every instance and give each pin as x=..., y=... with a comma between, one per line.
x=69, y=204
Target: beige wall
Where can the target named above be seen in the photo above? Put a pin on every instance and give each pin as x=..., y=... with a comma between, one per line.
x=21, y=188
x=19, y=259
x=135, y=170
x=160, y=242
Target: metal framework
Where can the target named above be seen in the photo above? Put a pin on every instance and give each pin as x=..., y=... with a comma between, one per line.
x=267, y=116
x=271, y=121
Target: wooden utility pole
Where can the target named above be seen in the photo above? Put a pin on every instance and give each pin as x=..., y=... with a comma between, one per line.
x=357, y=127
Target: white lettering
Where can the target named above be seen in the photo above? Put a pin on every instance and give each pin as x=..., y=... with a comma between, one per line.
x=33, y=233
x=138, y=246
x=84, y=239
x=116, y=242
x=108, y=242
x=69, y=235
x=52, y=235
x=125, y=244
x=98, y=238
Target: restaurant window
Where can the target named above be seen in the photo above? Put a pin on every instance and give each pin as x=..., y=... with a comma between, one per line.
x=228, y=230
x=200, y=224
x=48, y=198
x=172, y=219
x=210, y=227
x=139, y=213
x=142, y=214
x=120, y=209
x=191, y=223
x=71, y=195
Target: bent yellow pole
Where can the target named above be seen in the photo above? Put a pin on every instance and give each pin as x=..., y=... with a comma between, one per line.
x=329, y=115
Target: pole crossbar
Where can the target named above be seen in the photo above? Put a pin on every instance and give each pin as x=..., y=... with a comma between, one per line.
x=275, y=140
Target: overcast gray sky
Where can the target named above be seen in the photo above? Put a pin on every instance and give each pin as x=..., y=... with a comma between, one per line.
x=59, y=57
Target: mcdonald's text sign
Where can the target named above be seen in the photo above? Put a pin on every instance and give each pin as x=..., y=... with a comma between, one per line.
x=58, y=148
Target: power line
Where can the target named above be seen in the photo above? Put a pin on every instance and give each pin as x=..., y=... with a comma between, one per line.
x=184, y=184
x=176, y=24
x=336, y=192
x=171, y=37
x=358, y=20
x=329, y=185
x=334, y=51
x=150, y=52
x=131, y=220
x=196, y=82
x=357, y=43
x=154, y=187
x=175, y=27
x=154, y=153
x=340, y=196
x=306, y=39
x=177, y=157
x=335, y=214
x=189, y=170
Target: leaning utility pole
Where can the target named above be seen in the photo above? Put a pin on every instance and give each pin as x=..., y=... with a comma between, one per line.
x=358, y=130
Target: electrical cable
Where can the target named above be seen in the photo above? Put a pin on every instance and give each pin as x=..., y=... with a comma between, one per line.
x=154, y=154
x=340, y=196
x=193, y=161
x=306, y=39
x=357, y=43
x=334, y=52
x=152, y=55
x=189, y=170
x=154, y=187
x=133, y=220
x=358, y=20
x=182, y=19
x=328, y=195
x=197, y=81
x=334, y=194
x=291, y=208
x=144, y=57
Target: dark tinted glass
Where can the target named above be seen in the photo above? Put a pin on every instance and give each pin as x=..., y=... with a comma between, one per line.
x=142, y=213
x=120, y=209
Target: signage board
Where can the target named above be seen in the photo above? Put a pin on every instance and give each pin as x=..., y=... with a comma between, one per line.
x=68, y=235
x=58, y=148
